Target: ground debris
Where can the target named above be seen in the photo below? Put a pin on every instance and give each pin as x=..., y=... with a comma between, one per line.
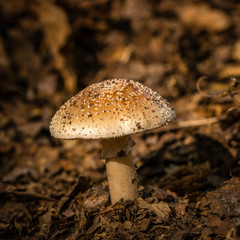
x=161, y=209
x=221, y=207
x=186, y=179
x=188, y=171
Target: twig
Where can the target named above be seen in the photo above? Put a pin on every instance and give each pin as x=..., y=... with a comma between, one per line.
x=188, y=124
x=199, y=88
x=196, y=123
x=230, y=92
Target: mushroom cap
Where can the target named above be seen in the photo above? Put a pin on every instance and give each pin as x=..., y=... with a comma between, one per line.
x=111, y=108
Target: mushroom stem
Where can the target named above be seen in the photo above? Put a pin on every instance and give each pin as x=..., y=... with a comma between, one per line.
x=121, y=173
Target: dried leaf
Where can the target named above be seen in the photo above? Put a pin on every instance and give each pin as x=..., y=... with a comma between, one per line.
x=161, y=209
x=201, y=16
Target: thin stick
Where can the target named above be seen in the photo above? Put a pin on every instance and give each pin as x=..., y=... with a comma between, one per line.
x=187, y=124
x=197, y=123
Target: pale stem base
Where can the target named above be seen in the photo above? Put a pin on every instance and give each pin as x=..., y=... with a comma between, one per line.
x=121, y=172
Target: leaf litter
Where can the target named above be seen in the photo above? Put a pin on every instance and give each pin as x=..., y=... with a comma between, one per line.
x=188, y=171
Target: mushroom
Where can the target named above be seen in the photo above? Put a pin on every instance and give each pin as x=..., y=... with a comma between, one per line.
x=112, y=110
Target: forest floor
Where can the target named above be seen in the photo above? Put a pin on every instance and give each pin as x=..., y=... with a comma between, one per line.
x=189, y=171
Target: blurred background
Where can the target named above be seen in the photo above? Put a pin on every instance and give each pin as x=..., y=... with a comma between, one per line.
x=188, y=51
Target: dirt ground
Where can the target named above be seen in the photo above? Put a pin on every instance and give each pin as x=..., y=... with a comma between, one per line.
x=189, y=171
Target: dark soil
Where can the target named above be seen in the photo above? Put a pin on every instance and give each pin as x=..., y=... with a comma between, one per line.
x=189, y=171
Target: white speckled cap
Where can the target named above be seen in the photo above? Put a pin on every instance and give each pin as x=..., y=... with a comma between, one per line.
x=112, y=108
